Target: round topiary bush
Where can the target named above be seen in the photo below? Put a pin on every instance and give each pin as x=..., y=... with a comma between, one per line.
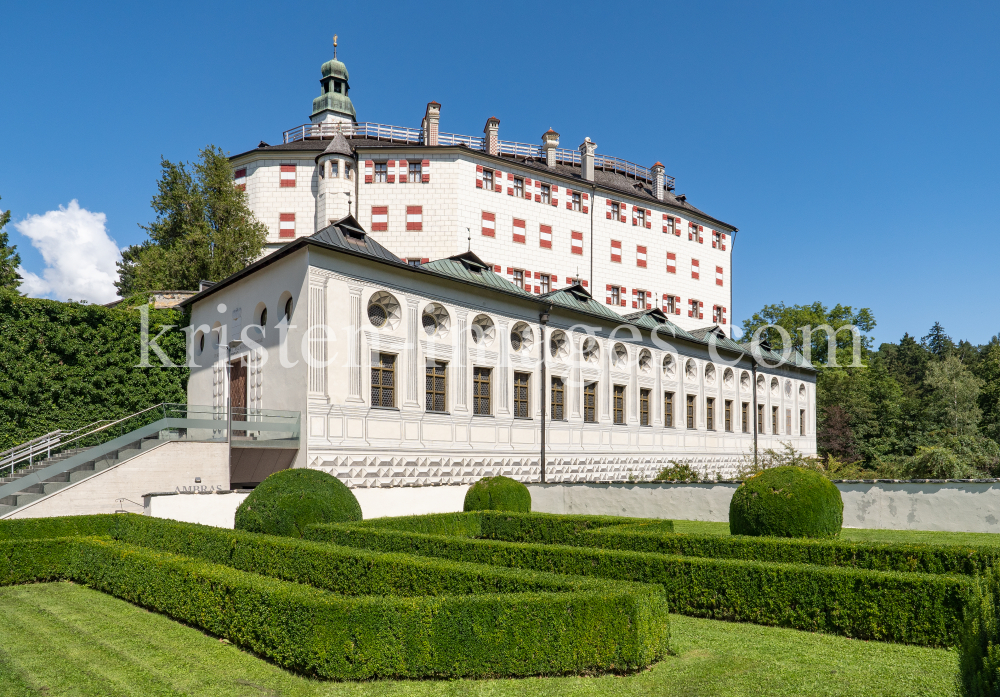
x=787, y=502
x=289, y=500
x=498, y=494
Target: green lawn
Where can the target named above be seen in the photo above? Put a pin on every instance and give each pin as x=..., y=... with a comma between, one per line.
x=864, y=535
x=64, y=639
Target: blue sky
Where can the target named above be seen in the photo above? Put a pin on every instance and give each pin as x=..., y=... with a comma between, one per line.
x=855, y=145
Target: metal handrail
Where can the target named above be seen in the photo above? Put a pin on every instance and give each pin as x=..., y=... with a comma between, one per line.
x=473, y=142
x=60, y=442
x=510, y=147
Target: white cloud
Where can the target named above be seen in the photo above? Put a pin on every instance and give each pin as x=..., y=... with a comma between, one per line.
x=79, y=255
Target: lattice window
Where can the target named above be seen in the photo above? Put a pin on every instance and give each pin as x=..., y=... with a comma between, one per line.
x=521, y=396
x=384, y=381
x=481, y=383
x=729, y=415
x=644, y=407
x=710, y=413
x=558, y=399
x=590, y=402
x=618, y=407
x=668, y=409
x=690, y=411
x=435, y=386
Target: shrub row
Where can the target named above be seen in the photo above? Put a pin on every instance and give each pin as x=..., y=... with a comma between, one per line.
x=922, y=558
x=890, y=606
x=394, y=615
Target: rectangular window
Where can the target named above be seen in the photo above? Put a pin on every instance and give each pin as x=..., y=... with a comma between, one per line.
x=644, y=407
x=619, y=404
x=381, y=172
x=384, y=381
x=745, y=417
x=717, y=314
x=616, y=211
x=716, y=239
x=671, y=305
x=558, y=399
x=380, y=218
x=639, y=216
x=240, y=178
x=334, y=169
x=286, y=225
x=590, y=403
x=435, y=386
x=518, y=278
x=668, y=226
x=518, y=233
x=802, y=422
x=545, y=236
x=760, y=418
x=690, y=411
x=546, y=282
x=489, y=224
x=576, y=201
x=710, y=413
x=413, y=262
x=415, y=171
x=668, y=409
x=546, y=194
x=788, y=421
x=481, y=403
x=616, y=295
x=287, y=175
x=774, y=420
x=693, y=232
x=729, y=415
x=521, y=396
x=640, y=299
x=488, y=179
x=695, y=310
x=519, y=187
x=415, y=218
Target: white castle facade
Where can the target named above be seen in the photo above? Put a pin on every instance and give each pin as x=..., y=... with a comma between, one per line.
x=434, y=296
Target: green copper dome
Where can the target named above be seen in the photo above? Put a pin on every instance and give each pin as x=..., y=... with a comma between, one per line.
x=335, y=87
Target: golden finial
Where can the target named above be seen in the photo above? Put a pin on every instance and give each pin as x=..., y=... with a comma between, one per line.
x=335, y=47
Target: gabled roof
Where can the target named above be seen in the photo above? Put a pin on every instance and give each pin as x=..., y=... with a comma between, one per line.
x=347, y=233
x=656, y=320
x=469, y=268
x=576, y=297
x=721, y=338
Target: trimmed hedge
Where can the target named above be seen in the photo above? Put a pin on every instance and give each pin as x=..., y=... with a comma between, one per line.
x=613, y=628
x=979, y=641
x=787, y=502
x=498, y=494
x=919, y=558
x=289, y=500
x=394, y=615
x=889, y=606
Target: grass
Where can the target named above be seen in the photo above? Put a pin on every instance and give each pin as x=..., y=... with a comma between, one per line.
x=932, y=537
x=64, y=639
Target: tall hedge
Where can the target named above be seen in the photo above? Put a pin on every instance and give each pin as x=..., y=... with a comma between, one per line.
x=498, y=494
x=65, y=365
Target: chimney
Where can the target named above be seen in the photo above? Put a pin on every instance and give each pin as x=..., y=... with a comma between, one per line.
x=492, y=132
x=587, y=159
x=659, y=179
x=550, y=141
x=430, y=123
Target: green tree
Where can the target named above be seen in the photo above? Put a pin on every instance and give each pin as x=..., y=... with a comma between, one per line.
x=954, y=392
x=938, y=342
x=988, y=370
x=792, y=318
x=9, y=258
x=203, y=229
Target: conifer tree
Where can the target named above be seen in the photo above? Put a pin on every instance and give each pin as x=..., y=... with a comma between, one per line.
x=10, y=260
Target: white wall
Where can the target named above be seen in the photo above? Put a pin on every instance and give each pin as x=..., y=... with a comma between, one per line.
x=219, y=509
x=168, y=467
x=952, y=506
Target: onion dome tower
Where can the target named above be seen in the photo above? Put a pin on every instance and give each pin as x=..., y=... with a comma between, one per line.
x=333, y=105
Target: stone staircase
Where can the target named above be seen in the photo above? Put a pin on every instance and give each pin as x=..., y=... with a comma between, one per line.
x=75, y=474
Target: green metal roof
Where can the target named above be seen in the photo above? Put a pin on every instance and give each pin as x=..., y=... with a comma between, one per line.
x=576, y=298
x=656, y=320
x=470, y=269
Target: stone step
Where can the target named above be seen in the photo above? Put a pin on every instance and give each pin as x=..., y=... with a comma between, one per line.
x=53, y=487
x=6, y=509
x=27, y=498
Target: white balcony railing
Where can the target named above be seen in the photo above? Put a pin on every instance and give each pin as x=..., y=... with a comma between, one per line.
x=402, y=134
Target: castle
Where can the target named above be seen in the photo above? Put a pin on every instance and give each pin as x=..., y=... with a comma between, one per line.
x=441, y=307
